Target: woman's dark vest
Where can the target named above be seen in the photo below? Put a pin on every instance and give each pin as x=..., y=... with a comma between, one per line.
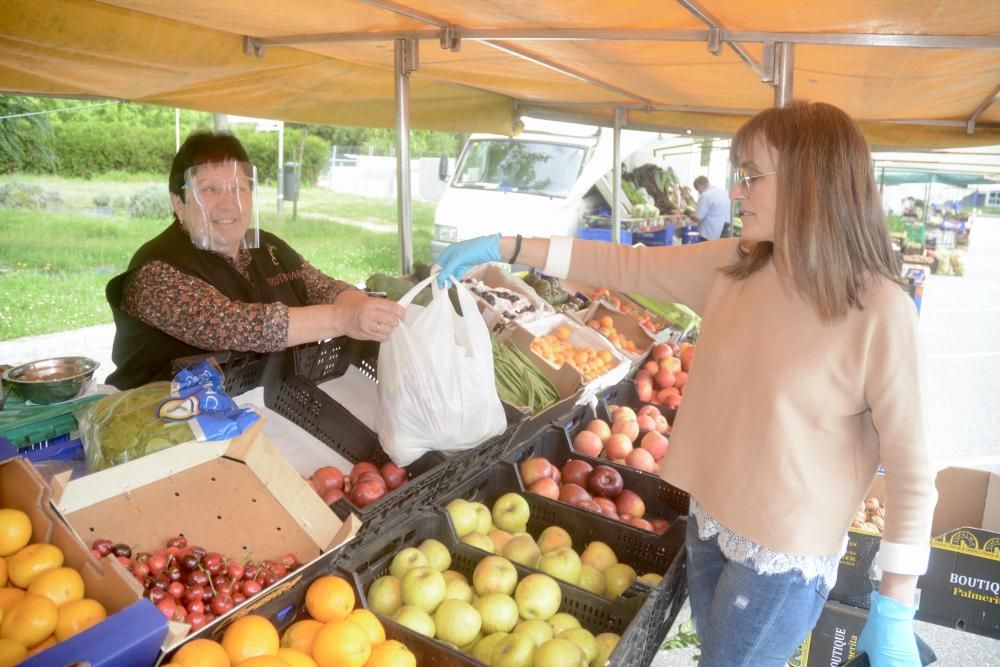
x=145, y=354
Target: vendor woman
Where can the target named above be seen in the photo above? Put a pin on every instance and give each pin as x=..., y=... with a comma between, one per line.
x=212, y=281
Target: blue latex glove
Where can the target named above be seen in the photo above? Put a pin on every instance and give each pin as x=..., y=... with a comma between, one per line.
x=459, y=257
x=888, y=637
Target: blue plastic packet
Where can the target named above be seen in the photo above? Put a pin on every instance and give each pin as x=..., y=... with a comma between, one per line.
x=197, y=397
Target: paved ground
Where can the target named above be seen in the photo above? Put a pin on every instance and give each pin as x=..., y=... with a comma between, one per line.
x=960, y=326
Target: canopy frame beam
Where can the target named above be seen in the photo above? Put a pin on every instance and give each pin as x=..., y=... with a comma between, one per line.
x=715, y=38
x=970, y=125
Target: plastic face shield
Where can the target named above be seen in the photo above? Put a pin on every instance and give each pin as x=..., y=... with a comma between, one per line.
x=220, y=206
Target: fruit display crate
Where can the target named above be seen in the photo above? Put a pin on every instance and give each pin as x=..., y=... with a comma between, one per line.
x=666, y=607
x=625, y=393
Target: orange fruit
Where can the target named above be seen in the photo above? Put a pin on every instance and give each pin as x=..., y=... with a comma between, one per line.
x=202, y=653
x=563, y=332
x=370, y=623
x=329, y=599
x=78, y=615
x=249, y=637
x=15, y=531
x=3, y=572
x=296, y=658
x=11, y=653
x=60, y=584
x=264, y=661
x=10, y=595
x=299, y=635
x=391, y=654
x=51, y=641
x=341, y=644
x=30, y=621
x=31, y=561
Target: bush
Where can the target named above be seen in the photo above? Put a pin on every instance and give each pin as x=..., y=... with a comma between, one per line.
x=150, y=203
x=262, y=147
x=86, y=149
x=101, y=200
x=27, y=196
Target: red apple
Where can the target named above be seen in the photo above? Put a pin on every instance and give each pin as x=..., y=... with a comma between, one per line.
x=332, y=496
x=362, y=467
x=588, y=443
x=642, y=524
x=619, y=445
x=663, y=394
x=624, y=413
x=659, y=525
x=576, y=472
x=327, y=478
x=557, y=475
x=646, y=423
x=644, y=390
x=673, y=401
x=626, y=427
x=619, y=461
x=573, y=494
x=664, y=379
x=374, y=478
x=534, y=469
x=365, y=492
x=601, y=428
x=651, y=367
x=589, y=505
x=605, y=481
x=393, y=475
x=648, y=410
x=607, y=506
x=640, y=459
x=662, y=425
x=680, y=379
x=642, y=375
x=629, y=502
x=656, y=444
x=687, y=358
x=672, y=364
x=545, y=486
x=660, y=351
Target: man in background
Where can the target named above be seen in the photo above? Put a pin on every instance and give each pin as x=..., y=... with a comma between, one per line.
x=712, y=212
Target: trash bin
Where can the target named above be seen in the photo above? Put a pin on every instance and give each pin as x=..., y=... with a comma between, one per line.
x=290, y=182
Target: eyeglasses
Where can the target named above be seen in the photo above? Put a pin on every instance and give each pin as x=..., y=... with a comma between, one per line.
x=742, y=178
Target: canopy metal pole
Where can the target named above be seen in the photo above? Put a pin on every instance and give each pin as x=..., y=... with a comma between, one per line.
x=281, y=164
x=785, y=66
x=405, y=63
x=177, y=130
x=616, y=217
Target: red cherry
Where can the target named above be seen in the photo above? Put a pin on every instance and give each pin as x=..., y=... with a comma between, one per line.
x=221, y=603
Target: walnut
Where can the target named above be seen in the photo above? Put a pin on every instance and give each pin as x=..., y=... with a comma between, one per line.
x=872, y=504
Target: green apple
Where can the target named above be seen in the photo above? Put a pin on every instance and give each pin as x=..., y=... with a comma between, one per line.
x=415, y=619
x=468, y=648
x=385, y=595
x=540, y=631
x=522, y=549
x=483, y=651
x=591, y=579
x=606, y=643
x=617, y=579
x=562, y=621
x=599, y=556
x=514, y=651
x=559, y=652
x=457, y=622
x=582, y=638
x=500, y=539
x=651, y=579
x=424, y=588
x=484, y=523
x=538, y=597
x=450, y=575
x=480, y=541
x=463, y=515
x=498, y=612
x=406, y=560
x=562, y=564
x=511, y=512
x=437, y=554
x=552, y=538
x=494, y=574
x=455, y=589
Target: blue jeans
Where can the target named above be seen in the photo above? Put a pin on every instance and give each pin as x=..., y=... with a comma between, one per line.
x=745, y=619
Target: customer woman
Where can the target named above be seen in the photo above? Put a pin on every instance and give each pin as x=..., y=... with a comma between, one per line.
x=211, y=281
x=810, y=344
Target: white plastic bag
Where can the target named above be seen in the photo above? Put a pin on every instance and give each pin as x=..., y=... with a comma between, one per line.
x=436, y=387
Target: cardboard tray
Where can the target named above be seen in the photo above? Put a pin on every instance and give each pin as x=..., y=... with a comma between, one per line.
x=238, y=497
x=493, y=276
x=626, y=325
x=108, y=582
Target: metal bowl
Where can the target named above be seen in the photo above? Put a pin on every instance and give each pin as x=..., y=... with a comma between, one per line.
x=51, y=380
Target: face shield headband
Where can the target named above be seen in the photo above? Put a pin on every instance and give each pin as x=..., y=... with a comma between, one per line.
x=220, y=211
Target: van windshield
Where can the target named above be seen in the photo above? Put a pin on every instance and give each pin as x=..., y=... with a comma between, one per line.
x=528, y=167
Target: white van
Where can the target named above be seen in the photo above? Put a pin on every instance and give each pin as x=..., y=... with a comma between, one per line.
x=543, y=182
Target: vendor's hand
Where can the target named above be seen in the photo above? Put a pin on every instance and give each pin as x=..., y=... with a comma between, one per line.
x=888, y=637
x=364, y=317
x=459, y=257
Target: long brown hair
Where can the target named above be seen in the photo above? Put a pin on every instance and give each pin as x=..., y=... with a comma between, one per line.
x=830, y=236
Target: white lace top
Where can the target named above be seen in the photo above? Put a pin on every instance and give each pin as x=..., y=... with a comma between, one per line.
x=762, y=559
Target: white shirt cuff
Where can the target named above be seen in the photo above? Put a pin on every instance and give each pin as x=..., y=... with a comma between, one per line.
x=903, y=558
x=560, y=253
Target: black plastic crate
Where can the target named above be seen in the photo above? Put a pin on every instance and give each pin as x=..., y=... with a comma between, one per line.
x=241, y=371
x=303, y=403
x=641, y=549
x=330, y=359
x=663, y=500
x=627, y=616
x=625, y=393
x=666, y=607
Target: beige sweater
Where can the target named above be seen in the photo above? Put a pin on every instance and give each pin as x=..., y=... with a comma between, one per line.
x=785, y=418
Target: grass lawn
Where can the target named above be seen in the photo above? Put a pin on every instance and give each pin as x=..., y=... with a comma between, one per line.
x=54, y=264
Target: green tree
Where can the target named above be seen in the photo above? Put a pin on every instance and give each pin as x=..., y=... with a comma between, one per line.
x=26, y=141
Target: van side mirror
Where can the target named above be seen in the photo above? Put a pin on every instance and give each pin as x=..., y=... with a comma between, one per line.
x=443, y=168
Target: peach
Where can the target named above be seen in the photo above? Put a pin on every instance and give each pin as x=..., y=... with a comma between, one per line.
x=656, y=444
x=680, y=379
x=629, y=502
x=673, y=401
x=640, y=459
x=618, y=447
x=588, y=443
x=644, y=390
x=651, y=367
x=641, y=524
x=628, y=428
x=672, y=364
x=646, y=423
x=660, y=351
x=601, y=428
x=534, y=469
x=623, y=413
x=642, y=375
x=687, y=358
x=664, y=379
x=650, y=410
x=546, y=486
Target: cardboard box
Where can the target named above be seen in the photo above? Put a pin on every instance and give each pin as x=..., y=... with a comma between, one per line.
x=493, y=276
x=238, y=497
x=626, y=325
x=834, y=640
x=962, y=586
x=566, y=380
x=854, y=584
x=108, y=582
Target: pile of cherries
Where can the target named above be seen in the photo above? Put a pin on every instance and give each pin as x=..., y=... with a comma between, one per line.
x=190, y=584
